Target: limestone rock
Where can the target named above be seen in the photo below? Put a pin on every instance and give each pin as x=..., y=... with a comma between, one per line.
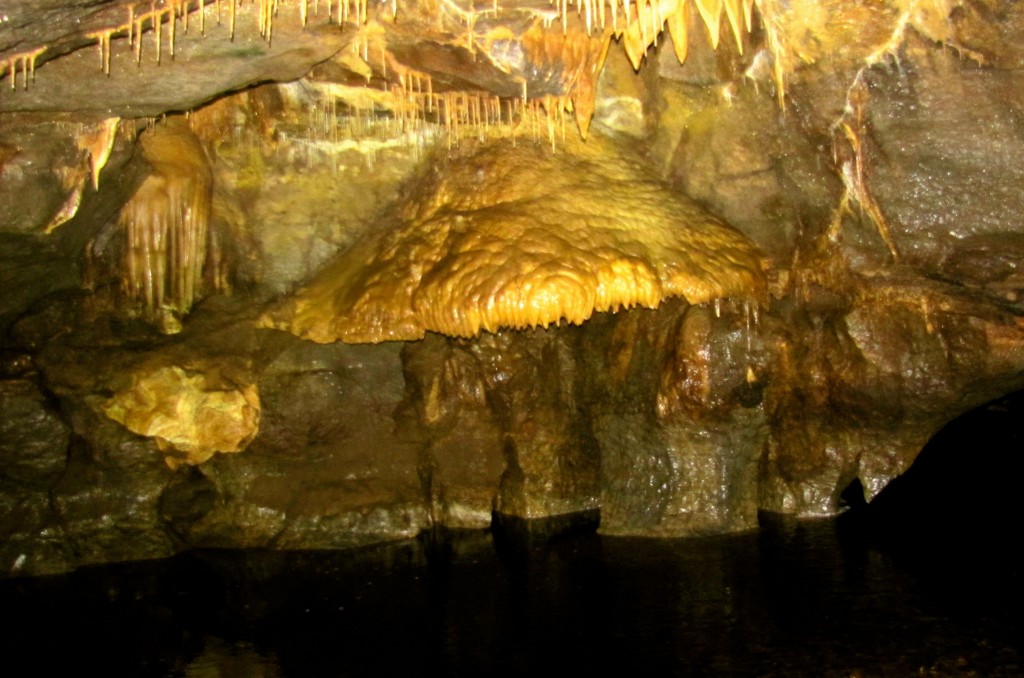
x=33, y=437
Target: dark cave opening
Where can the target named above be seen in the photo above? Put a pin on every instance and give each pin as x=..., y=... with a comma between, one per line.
x=954, y=516
x=965, y=483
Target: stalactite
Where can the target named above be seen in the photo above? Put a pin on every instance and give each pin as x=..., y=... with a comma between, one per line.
x=638, y=27
x=102, y=39
x=848, y=145
x=99, y=142
x=73, y=181
x=157, y=29
x=166, y=222
x=27, y=61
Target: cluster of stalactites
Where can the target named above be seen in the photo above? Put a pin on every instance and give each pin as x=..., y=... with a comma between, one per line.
x=25, y=62
x=636, y=23
x=411, y=109
x=416, y=108
x=579, y=55
x=166, y=222
x=162, y=21
x=173, y=12
x=645, y=19
x=639, y=23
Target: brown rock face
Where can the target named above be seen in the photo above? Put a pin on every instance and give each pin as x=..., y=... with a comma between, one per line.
x=768, y=272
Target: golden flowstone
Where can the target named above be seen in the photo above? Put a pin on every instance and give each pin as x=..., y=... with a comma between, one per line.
x=193, y=414
x=517, y=237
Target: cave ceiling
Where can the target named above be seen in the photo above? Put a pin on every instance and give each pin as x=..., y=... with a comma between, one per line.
x=132, y=59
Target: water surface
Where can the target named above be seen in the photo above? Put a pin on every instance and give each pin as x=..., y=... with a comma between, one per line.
x=925, y=581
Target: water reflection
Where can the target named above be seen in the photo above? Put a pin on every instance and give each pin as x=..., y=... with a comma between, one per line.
x=793, y=599
x=221, y=659
x=914, y=584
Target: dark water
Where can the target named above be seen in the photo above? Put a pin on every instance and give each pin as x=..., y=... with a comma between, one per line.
x=925, y=581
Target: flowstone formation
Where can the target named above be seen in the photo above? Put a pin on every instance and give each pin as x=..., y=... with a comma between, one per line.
x=519, y=237
x=516, y=238
x=664, y=265
x=189, y=414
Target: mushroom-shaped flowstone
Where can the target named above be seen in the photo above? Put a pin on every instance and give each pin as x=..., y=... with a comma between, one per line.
x=517, y=237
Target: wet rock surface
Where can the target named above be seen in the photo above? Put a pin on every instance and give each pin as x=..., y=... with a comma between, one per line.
x=884, y=208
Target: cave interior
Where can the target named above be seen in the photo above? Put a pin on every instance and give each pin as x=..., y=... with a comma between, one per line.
x=306, y=275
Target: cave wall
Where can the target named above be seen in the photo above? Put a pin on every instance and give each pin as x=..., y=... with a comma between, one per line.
x=886, y=210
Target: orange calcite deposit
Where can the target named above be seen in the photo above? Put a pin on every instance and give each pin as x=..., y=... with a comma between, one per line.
x=192, y=415
x=518, y=237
